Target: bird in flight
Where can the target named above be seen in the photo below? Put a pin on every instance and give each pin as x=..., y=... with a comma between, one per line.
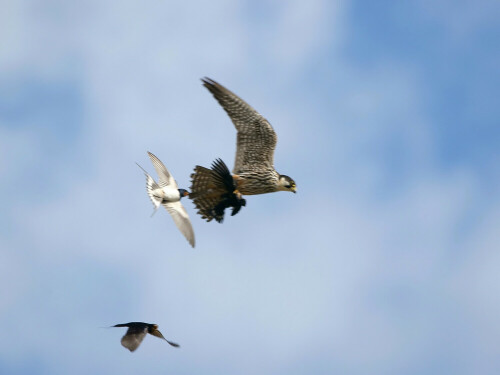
x=166, y=193
x=218, y=191
x=137, y=331
x=253, y=171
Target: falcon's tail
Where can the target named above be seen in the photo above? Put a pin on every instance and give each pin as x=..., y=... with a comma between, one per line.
x=212, y=191
x=151, y=186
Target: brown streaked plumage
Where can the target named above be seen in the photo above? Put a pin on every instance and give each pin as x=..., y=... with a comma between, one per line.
x=215, y=190
x=136, y=333
x=256, y=140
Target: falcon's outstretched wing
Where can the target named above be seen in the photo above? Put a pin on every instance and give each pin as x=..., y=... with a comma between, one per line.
x=256, y=139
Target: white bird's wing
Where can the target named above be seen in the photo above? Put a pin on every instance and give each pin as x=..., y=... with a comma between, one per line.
x=181, y=219
x=133, y=338
x=164, y=176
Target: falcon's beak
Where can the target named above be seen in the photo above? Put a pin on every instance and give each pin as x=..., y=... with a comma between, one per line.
x=294, y=190
x=186, y=193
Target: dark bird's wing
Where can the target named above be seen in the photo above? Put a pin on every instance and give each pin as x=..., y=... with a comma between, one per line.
x=256, y=139
x=222, y=177
x=212, y=191
x=134, y=337
x=158, y=334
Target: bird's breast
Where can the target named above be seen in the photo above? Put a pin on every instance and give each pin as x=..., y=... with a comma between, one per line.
x=257, y=183
x=170, y=195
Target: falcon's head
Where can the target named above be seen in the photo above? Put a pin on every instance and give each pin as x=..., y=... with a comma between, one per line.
x=286, y=183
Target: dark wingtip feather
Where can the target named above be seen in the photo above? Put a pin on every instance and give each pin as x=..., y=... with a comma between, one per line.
x=215, y=88
x=208, y=82
x=223, y=175
x=174, y=344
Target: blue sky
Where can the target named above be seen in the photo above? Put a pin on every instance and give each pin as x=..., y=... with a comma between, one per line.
x=386, y=260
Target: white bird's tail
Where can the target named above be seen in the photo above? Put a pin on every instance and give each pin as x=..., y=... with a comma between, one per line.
x=151, y=186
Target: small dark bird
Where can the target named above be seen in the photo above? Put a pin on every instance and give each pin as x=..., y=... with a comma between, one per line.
x=214, y=190
x=136, y=332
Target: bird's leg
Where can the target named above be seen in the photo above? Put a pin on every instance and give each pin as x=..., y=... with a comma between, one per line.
x=237, y=181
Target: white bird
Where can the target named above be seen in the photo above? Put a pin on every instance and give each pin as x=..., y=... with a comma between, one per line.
x=167, y=194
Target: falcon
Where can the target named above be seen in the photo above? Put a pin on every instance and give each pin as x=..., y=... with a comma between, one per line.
x=137, y=331
x=166, y=193
x=253, y=172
